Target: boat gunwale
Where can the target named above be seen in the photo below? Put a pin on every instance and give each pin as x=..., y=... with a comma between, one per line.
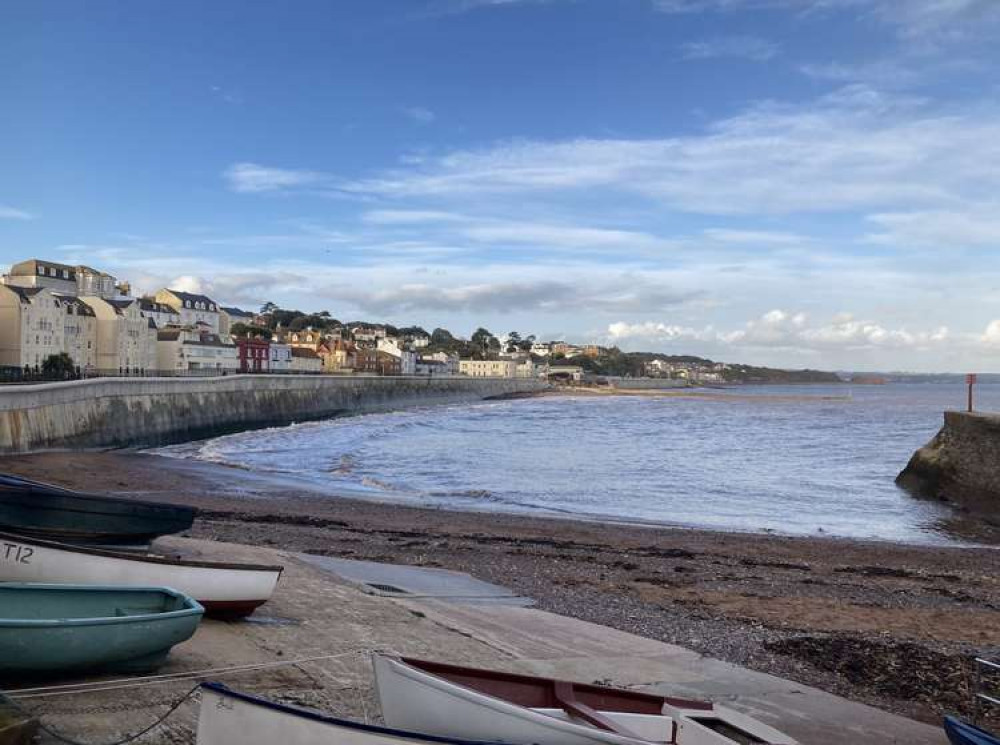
x=63, y=491
x=192, y=607
x=316, y=716
x=499, y=675
x=509, y=708
x=144, y=558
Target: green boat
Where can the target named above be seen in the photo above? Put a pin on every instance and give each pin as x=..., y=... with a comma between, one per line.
x=47, y=629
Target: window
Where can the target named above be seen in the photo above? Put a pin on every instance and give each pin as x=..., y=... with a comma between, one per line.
x=41, y=270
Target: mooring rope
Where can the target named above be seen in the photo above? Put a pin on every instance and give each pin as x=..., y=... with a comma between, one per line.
x=127, y=683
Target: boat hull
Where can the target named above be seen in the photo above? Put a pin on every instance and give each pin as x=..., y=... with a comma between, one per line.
x=48, y=629
x=415, y=699
x=228, y=717
x=963, y=733
x=38, y=509
x=225, y=590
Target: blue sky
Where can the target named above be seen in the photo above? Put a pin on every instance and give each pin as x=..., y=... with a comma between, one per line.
x=786, y=182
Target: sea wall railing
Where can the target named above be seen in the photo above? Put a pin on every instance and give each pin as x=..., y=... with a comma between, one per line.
x=987, y=686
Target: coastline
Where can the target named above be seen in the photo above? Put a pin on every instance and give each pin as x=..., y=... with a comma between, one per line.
x=884, y=623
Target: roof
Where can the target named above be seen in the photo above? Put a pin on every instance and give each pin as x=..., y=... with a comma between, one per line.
x=82, y=309
x=168, y=334
x=25, y=293
x=304, y=352
x=30, y=267
x=233, y=311
x=150, y=305
x=192, y=297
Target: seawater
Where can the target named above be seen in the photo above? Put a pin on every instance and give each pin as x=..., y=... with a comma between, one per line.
x=803, y=460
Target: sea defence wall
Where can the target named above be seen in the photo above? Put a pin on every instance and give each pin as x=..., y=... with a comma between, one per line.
x=645, y=383
x=961, y=463
x=147, y=412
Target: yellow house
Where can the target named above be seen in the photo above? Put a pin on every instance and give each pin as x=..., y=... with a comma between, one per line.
x=126, y=339
x=31, y=326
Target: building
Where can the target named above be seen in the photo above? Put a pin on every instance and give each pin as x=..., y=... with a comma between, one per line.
x=338, y=356
x=228, y=317
x=163, y=315
x=407, y=358
x=186, y=349
x=375, y=362
x=193, y=308
x=565, y=373
x=488, y=368
x=79, y=333
x=450, y=361
x=305, y=360
x=126, y=339
x=307, y=338
x=426, y=366
x=63, y=278
x=279, y=357
x=365, y=333
x=31, y=326
x=541, y=349
x=254, y=354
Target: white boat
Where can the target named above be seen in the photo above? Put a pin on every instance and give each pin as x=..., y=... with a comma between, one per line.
x=225, y=590
x=230, y=717
x=452, y=701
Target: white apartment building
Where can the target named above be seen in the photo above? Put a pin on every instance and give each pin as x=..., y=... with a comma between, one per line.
x=126, y=339
x=279, y=356
x=163, y=315
x=540, y=349
x=488, y=368
x=230, y=316
x=193, y=308
x=79, y=333
x=31, y=326
x=407, y=358
x=450, y=361
x=185, y=349
x=63, y=278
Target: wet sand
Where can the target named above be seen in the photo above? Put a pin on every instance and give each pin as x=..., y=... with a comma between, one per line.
x=887, y=624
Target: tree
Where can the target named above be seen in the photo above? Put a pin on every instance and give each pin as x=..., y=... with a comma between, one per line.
x=268, y=307
x=526, y=343
x=245, y=330
x=513, y=342
x=484, y=342
x=59, y=366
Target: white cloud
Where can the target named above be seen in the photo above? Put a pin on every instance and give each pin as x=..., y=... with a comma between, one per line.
x=976, y=226
x=410, y=217
x=419, y=114
x=751, y=48
x=991, y=337
x=12, y=213
x=856, y=149
x=254, y=178
x=543, y=235
x=755, y=237
x=781, y=330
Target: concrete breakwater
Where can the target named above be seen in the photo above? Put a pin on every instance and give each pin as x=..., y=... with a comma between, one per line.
x=961, y=463
x=148, y=412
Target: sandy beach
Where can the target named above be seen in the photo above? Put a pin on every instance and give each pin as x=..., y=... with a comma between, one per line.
x=886, y=624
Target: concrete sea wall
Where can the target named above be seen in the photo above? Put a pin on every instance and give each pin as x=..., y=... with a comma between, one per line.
x=961, y=463
x=147, y=412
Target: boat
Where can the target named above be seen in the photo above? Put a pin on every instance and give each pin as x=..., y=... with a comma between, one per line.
x=963, y=733
x=229, y=717
x=453, y=701
x=225, y=590
x=47, y=511
x=46, y=629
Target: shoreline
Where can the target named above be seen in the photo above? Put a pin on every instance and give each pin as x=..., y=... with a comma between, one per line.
x=869, y=620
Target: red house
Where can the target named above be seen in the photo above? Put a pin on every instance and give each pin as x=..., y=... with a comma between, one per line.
x=254, y=354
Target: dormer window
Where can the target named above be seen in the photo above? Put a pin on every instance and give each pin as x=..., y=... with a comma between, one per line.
x=187, y=303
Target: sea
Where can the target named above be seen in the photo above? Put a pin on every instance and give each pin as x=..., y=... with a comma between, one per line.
x=796, y=460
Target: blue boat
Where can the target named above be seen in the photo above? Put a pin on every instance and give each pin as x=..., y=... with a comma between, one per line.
x=57, y=629
x=963, y=733
x=53, y=513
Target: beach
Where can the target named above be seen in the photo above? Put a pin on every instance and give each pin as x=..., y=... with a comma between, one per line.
x=888, y=624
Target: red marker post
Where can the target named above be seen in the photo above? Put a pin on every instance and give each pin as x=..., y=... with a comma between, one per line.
x=971, y=380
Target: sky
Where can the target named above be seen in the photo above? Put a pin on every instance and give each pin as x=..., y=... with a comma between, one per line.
x=797, y=183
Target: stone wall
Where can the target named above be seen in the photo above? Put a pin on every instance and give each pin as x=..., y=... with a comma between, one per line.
x=961, y=463
x=147, y=412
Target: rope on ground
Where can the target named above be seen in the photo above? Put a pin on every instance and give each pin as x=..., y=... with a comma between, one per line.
x=129, y=738
x=124, y=683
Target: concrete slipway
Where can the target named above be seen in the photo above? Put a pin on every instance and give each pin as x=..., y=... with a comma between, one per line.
x=317, y=612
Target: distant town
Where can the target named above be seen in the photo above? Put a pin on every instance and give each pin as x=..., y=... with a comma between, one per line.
x=59, y=321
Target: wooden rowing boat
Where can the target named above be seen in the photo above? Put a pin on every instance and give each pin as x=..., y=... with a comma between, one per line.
x=225, y=590
x=229, y=717
x=453, y=701
x=48, y=629
x=34, y=508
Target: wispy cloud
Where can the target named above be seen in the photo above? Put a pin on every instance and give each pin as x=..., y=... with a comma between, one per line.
x=254, y=178
x=419, y=114
x=751, y=48
x=855, y=149
x=12, y=213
